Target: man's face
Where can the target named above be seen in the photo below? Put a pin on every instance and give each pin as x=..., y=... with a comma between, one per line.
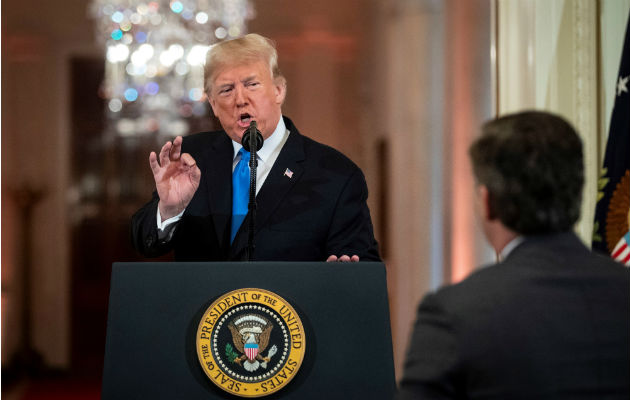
x=244, y=93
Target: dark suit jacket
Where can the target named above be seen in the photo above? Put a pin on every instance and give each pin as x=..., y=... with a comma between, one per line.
x=550, y=322
x=320, y=210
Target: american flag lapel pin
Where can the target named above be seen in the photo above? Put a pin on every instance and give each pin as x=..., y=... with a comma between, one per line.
x=288, y=173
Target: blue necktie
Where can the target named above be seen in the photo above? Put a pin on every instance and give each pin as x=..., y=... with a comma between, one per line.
x=240, y=192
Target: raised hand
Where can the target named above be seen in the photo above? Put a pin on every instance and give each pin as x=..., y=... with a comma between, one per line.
x=176, y=178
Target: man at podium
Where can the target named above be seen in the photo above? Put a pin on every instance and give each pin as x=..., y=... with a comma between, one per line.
x=311, y=199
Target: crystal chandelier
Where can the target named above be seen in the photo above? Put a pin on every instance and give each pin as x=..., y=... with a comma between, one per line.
x=155, y=52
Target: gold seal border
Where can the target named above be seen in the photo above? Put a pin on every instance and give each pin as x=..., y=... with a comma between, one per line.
x=205, y=348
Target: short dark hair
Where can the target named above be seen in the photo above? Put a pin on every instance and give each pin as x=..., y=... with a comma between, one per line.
x=531, y=163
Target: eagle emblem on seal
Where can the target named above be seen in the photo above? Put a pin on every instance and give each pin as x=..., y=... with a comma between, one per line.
x=250, y=335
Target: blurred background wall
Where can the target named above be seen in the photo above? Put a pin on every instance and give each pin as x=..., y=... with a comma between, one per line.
x=400, y=86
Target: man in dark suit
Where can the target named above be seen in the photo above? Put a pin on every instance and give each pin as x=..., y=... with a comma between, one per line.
x=311, y=199
x=549, y=320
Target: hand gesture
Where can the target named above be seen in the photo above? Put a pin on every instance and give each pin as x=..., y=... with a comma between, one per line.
x=176, y=178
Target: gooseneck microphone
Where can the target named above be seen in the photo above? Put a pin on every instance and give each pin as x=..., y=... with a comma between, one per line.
x=252, y=141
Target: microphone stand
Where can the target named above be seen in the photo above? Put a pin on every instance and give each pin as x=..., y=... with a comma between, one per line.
x=252, y=141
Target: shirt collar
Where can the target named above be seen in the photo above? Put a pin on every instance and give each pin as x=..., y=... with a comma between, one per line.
x=510, y=247
x=271, y=143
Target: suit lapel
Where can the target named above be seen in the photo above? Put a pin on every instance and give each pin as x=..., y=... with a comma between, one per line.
x=218, y=186
x=286, y=171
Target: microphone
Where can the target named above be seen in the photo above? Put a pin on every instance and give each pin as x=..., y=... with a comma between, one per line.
x=252, y=141
x=252, y=138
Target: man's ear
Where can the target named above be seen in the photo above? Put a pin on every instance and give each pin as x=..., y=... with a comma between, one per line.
x=280, y=86
x=487, y=203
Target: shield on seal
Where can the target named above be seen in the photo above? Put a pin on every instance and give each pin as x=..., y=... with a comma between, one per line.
x=251, y=350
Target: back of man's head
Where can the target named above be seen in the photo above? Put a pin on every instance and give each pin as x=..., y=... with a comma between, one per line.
x=531, y=164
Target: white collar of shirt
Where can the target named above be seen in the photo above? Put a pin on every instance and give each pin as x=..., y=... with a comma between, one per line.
x=510, y=246
x=270, y=146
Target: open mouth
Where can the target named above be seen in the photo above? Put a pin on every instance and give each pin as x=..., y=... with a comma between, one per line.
x=245, y=119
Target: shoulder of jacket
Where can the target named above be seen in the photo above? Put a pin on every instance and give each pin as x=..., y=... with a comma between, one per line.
x=196, y=142
x=327, y=153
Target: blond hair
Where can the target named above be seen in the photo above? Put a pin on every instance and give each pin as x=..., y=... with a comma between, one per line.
x=244, y=50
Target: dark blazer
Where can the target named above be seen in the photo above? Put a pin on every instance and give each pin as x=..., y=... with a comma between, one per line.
x=550, y=322
x=318, y=210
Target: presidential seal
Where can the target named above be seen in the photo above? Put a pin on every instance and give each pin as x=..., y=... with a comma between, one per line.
x=250, y=342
